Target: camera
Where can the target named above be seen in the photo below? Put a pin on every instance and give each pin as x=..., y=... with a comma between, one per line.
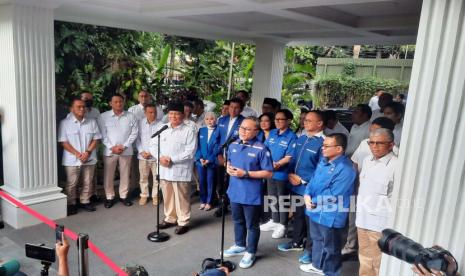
x=395, y=244
x=40, y=252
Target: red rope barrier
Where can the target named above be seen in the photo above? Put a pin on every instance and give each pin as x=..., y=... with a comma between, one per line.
x=72, y=235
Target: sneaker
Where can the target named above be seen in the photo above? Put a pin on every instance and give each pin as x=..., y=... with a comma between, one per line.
x=306, y=258
x=269, y=226
x=247, y=261
x=311, y=269
x=142, y=200
x=290, y=246
x=234, y=251
x=279, y=231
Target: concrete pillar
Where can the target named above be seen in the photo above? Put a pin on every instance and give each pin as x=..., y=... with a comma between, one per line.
x=268, y=72
x=432, y=152
x=27, y=108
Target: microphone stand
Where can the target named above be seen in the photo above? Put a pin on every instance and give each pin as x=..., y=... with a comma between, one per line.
x=158, y=236
x=221, y=262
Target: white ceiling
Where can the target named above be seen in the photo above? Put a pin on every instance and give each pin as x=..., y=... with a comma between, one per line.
x=287, y=21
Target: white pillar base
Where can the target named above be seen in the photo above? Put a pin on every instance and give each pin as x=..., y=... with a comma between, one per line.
x=50, y=203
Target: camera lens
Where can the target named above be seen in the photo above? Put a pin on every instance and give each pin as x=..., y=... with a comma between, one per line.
x=395, y=244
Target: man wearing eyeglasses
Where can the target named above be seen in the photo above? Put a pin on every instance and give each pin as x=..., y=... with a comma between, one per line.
x=327, y=200
x=249, y=162
x=373, y=200
x=304, y=160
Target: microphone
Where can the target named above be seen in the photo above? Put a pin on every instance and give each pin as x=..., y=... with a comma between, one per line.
x=229, y=141
x=163, y=128
x=9, y=268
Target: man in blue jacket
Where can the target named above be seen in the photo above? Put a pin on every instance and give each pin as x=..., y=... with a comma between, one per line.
x=304, y=160
x=249, y=162
x=327, y=199
x=228, y=127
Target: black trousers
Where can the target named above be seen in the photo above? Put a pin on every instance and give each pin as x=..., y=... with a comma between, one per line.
x=301, y=224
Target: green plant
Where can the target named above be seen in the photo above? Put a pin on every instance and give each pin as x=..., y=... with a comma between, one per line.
x=346, y=91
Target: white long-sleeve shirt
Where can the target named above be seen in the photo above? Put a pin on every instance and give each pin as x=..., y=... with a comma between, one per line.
x=338, y=128
x=122, y=129
x=357, y=134
x=373, y=200
x=146, y=130
x=138, y=110
x=179, y=144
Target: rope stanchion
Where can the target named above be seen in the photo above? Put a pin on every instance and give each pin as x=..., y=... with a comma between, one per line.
x=70, y=234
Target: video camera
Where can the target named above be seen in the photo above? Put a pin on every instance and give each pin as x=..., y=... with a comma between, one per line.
x=395, y=244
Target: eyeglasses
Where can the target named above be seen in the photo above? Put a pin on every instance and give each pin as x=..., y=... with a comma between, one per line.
x=377, y=143
x=310, y=121
x=280, y=119
x=330, y=146
x=247, y=129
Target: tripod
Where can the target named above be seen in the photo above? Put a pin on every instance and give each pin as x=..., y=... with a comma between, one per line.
x=221, y=262
x=158, y=236
x=45, y=267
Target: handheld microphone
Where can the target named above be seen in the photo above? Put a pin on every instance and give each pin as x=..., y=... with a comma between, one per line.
x=163, y=128
x=9, y=268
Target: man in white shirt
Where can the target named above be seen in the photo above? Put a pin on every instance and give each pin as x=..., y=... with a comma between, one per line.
x=79, y=136
x=395, y=111
x=198, y=113
x=360, y=129
x=144, y=98
x=147, y=162
x=384, y=99
x=333, y=125
x=363, y=149
x=247, y=111
x=373, y=200
x=177, y=149
x=91, y=112
x=373, y=103
x=119, y=131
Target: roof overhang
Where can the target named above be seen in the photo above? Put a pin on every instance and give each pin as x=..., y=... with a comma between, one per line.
x=287, y=21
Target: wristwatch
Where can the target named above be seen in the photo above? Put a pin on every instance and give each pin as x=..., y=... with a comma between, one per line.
x=246, y=174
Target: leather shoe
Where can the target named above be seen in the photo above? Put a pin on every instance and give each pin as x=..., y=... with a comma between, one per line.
x=126, y=201
x=71, y=210
x=108, y=203
x=181, y=230
x=166, y=224
x=88, y=207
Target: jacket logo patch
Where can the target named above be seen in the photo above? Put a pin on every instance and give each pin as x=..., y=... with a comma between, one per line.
x=251, y=154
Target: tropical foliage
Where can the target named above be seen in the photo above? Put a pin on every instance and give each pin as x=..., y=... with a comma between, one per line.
x=347, y=91
x=105, y=60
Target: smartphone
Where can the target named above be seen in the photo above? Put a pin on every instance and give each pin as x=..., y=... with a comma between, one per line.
x=59, y=233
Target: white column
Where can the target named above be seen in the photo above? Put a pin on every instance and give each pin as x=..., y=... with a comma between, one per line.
x=267, y=72
x=27, y=107
x=432, y=152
